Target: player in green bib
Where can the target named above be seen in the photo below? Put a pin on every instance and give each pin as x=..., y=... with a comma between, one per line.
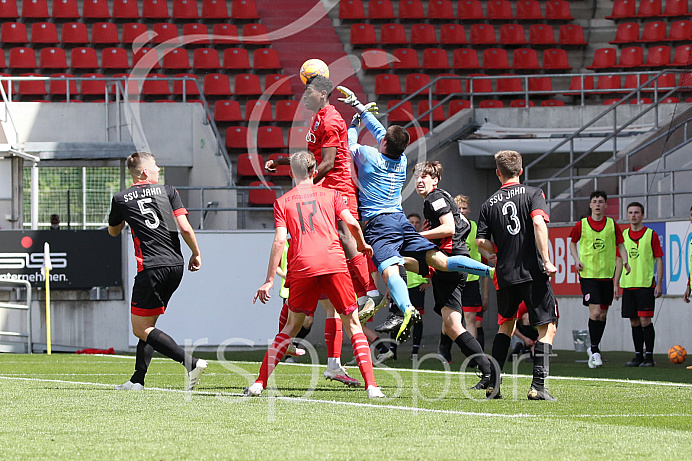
x=599, y=238
x=640, y=290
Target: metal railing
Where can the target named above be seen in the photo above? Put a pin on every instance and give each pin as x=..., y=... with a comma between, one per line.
x=22, y=307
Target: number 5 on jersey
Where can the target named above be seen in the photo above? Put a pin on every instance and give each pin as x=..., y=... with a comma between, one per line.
x=154, y=222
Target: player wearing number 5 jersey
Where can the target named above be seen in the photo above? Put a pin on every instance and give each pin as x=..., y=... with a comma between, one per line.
x=153, y=210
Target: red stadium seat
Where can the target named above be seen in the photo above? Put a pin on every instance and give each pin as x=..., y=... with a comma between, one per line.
x=499, y=10
x=521, y=103
x=465, y=59
x=8, y=9
x=457, y=105
x=610, y=102
x=270, y=137
x=495, y=59
x=236, y=59
x=114, y=58
x=642, y=101
x=249, y=165
x=266, y=59
x=351, y=10
x=205, y=59
x=147, y=56
x=13, y=33
x=22, y=58
x=664, y=83
x=257, y=110
x=380, y=9
x=649, y=9
x=423, y=34
x=75, y=33
x=65, y=9
x=680, y=31
x=448, y=86
x=512, y=84
x=416, y=132
x=558, y=10
x=555, y=59
x=659, y=56
x=363, y=35
x=125, y=9
x=627, y=32
x=440, y=9
x=393, y=34
x=289, y=111
x=482, y=34
x=387, y=84
x=529, y=10
x=525, y=59
x=470, y=10
x=604, y=58
x=297, y=137
x=415, y=82
x=410, y=9
x=255, y=34
x=577, y=82
x=164, y=32
x=491, y=104
x=609, y=82
x=633, y=81
x=217, y=85
x=35, y=9
x=44, y=33
x=104, y=33
x=176, y=59
x=435, y=59
x=541, y=34
x=676, y=8
x=225, y=34
x=93, y=87
x=281, y=170
x=438, y=111
x=405, y=58
x=155, y=9
x=375, y=59
x=474, y=85
x=632, y=56
x=156, y=85
x=95, y=10
x=262, y=197
x=670, y=100
x=196, y=34
x=135, y=33
x=185, y=9
x=83, y=58
x=683, y=56
x=571, y=34
x=686, y=81
x=512, y=34
x=31, y=87
x=552, y=103
x=452, y=34
x=214, y=9
x=191, y=89
x=227, y=110
x=58, y=86
x=237, y=137
x=244, y=9
x=247, y=85
x=654, y=31
x=542, y=86
x=623, y=9
x=403, y=113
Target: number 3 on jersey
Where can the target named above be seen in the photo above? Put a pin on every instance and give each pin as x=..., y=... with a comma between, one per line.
x=154, y=223
x=511, y=209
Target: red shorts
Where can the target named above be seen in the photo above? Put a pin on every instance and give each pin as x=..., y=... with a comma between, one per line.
x=305, y=292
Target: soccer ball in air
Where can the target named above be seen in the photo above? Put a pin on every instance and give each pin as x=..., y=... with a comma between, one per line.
x=677, y=354
x=313, y=67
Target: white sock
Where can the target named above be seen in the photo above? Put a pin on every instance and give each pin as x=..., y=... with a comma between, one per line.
x=333, y=362
x=373, y=293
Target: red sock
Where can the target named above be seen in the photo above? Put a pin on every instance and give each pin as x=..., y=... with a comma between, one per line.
x=283, y=316
x=333, y=336
x=273, y=356
x=360, y=289
x=361, y=350
x=371, y=266
x=359, y=263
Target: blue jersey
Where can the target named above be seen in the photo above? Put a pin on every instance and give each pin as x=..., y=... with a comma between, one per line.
x=380, y=178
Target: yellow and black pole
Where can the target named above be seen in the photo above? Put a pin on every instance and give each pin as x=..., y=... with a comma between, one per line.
x=47, y=266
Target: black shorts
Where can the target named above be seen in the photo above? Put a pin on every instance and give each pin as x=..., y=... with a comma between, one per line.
x=597, y=291
x=153, y=289
x=638, y=302
x=417, y=298
x=471, y=300
x=538, y=296
x=448, y=288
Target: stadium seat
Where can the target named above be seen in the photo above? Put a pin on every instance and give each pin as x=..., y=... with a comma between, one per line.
x=649, y=9
x=351, y=10
x=75, y=33
x=375, y=59
x=156, y=85
x=236, y=59
x=363, y=35
x=642, y=101
x=457, y=105
x=387, y=84
x=237, y=137
x=470, y=10
x=577, y=82
x=664, y=83
x=22, y=58
x=104, y=33
x=227, y=110
x=465, y=59
x=435, y=59
x=525, y=59
x=217, y=85
x=405, y=58
x=289, y=111
x=604, y=58
x=610, y=102
x=676, y=8
x=83, y=58
x=176, y=59
x=529, y=10
x=512, y=84
x=114, y=58
x=452, y=34
x=521, y=103
x=225, y=34
x=552, y=103
x=155, y=9
x=196, y=34
x=31, y=87
x=627, y=32
x=495, y=59
x=555, y=59
x=416, y=132
x=609, y=82
x=8, y=9
x=257, y=110
x=244, y=9
x=571, y=34
x=474, y=85
x=423, y=34
x=44, y=33
x=255, y=35
x=680, y=31
x=541, y=34
x=634, y=81
x=164, y=32
x=214, y=10
x=35, y=9
x=58, y=85
x=65, y=9
x=261, y=197
x=499, y=10
x=686, y=81
x=125, y=9
x=632, y=56
x=135, y=33
x=403, y=113
x=13, y=33
x=123, y=83
x=247, y=85
x=249, y=165
x=185, y=10
x=448, y=86
x=205, y=59
x=512, y=34
x=94, y=10
x=149, y=58
x=393, y=34
x=296, y=137
x=491, y=104
x=670, y=100
x=95, y=88
x=191, y=89
x=265, y=59
x=482, y=34
x=415, y=82
x=270, y=137
x=623, y=9
x=542, y=86
x=410, y=9
x=438, y=111
x=440, y=10
x=281, y=170
x=654, y=31
x=558, y=10
x=658, y=56
x=682, y=57
x=380, y=10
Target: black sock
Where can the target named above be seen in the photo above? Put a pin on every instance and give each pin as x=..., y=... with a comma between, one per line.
x=649, y=337
x=470, y=347
x=500, y=349
x=380, y=346
x=596, y=329
x=480, y=336
x=638, y=340
x=417, y=336
x=445, y=346
x=142, y=360
x=301, y=335
x=164, y=344
x=541, y=364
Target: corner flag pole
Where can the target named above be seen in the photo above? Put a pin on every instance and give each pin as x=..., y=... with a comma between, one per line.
x=47, y=266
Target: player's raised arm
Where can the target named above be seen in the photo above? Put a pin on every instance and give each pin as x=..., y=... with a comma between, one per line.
x=274, y=259
x=191, y=240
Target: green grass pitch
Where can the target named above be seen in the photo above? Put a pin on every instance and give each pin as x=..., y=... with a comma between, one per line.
x=63, y=407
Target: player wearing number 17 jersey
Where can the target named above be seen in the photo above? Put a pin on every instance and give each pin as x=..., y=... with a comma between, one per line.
x=515, y=218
